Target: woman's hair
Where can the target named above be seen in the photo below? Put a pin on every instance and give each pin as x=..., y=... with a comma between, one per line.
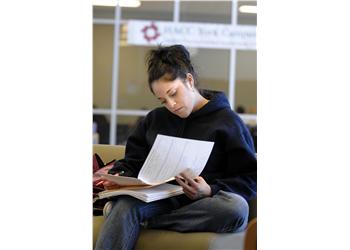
x=169, y=63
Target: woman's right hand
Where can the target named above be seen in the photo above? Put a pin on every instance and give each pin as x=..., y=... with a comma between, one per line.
x=108, y=184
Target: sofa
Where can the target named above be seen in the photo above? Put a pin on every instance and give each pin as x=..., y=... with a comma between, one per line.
x=169, y=240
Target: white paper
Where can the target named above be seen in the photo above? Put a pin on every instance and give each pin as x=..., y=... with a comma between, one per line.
x=146, y=194
x=170, y=156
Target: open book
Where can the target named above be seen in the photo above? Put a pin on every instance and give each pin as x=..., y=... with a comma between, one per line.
x=168, y=157
x=149, y=194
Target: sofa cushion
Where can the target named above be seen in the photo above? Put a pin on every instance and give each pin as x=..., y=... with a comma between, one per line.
x=170, y=240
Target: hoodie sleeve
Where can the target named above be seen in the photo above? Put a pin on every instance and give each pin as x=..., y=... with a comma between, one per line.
x=241, y=169
x=136, y=152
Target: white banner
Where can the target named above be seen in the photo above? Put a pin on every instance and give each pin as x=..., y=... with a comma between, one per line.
x=199, y=35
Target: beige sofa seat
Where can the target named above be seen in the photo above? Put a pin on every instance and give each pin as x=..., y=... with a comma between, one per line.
x=169, y=240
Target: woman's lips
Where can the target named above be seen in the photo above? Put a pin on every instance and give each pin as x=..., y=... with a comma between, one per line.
x=177, y=110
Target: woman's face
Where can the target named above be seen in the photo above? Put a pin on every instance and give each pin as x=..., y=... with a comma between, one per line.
x=177, y=96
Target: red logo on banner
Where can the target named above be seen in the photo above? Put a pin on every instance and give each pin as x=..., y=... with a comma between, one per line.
x=150, y=32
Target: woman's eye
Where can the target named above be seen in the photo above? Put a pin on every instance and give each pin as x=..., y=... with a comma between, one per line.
x=173, y=94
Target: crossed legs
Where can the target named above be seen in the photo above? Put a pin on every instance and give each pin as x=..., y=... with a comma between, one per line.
x=224, y=212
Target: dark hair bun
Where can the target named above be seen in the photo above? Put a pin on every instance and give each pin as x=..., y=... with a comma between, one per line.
x=171, y=62
x=175, y=54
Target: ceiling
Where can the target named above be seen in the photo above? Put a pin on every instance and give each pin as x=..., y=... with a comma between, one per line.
x=195, y=11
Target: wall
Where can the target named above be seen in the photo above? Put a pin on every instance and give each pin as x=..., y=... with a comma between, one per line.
x=102, y=64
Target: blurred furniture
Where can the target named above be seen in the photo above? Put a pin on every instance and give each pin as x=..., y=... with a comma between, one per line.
x=169, y=240
x=250, y=241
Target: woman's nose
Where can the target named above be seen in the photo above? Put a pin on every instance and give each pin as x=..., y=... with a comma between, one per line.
x=172, y=103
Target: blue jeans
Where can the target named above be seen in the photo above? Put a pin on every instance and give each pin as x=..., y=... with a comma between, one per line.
x=222, y=213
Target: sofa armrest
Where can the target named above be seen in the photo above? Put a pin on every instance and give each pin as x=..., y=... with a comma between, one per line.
x=250, y=241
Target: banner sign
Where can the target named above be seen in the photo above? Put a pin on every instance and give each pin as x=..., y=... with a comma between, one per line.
x=199, y=35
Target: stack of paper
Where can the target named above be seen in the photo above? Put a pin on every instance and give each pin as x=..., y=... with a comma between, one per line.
x=148, y=194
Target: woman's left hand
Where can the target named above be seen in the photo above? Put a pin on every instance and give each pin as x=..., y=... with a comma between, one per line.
x=195, y=188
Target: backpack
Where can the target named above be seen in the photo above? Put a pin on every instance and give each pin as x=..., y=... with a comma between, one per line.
x=98, y=167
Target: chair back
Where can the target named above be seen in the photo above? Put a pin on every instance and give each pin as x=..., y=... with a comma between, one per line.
x=109, y=152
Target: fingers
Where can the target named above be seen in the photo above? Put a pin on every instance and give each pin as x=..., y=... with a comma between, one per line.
x=183, y=183
x=100, y=181
x=194, y=188
x=191, y=182
x=189, y=177
x=106, y=184
x=189, y=187
x=96, y=180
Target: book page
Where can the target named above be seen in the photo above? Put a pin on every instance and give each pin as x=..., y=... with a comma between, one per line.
x=170, y=156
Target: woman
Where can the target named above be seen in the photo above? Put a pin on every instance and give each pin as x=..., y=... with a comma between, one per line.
x=215, y=201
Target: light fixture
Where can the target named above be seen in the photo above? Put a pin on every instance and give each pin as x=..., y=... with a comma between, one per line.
x=113, y=3
x=251, y=9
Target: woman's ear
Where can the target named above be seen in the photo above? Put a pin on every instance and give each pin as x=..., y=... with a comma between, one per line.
x=190, y=80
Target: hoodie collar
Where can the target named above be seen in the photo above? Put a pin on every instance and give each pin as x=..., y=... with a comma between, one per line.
x=217, y=100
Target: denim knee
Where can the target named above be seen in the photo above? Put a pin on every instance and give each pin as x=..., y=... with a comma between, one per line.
x=121, y=228
x=122, y=206
x=232, y=211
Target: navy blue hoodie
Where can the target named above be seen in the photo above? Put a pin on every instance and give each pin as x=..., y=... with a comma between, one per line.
x=232, y=164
